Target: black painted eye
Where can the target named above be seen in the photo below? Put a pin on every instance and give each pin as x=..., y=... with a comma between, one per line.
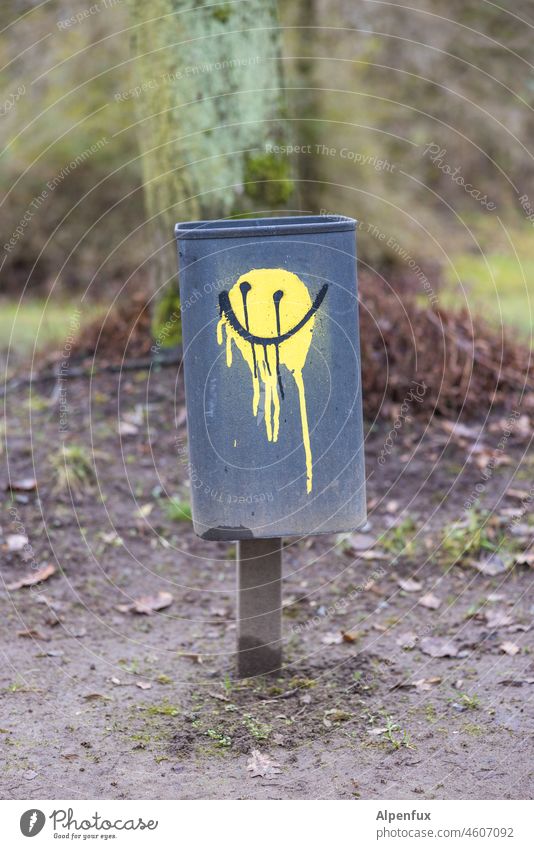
x=227, y=311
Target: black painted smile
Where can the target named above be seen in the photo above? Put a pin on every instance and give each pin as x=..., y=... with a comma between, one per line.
x=228, y=313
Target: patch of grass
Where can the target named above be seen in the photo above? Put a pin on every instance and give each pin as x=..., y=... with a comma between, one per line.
x=400, y=539
x=430, y=713
x=473, y=729
x=37, y=322
x=259, y=730
x=470, y=702
x=501, y=284
x=466, y=537
x=301, y=683
x=162, y=709
x=395, y=735
x=221, y=740
x=178, y=510
x=72, y=469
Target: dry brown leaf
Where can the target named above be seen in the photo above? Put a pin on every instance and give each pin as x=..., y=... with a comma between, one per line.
x=493, y=565
x=147, y=604
x=526, y=558
x=350, y=637
x=497, y=618
x=22, y=485
x=190, y=655
x=410, y=585
x=430, y=601
x=16, y=542
x=261, y=765
x=407, y=640
x=438, y=647
x=360, y=542
x=510, y=648
x=517, y=493
x=373, y=554
x=33, y=633
x=459, y=430
x=332, y=638
x=34, y=578
x=427, y=683
x=420, y=684
x=127, y=429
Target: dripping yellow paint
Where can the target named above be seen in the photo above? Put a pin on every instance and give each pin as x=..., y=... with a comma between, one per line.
x=269, y=316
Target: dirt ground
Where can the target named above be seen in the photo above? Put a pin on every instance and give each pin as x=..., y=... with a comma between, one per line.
x=100, y=701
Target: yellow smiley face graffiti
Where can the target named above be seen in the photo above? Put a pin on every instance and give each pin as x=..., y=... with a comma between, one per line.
x=269, y=315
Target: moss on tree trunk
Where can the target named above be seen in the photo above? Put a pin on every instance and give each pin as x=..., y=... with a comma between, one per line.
x=208, y=88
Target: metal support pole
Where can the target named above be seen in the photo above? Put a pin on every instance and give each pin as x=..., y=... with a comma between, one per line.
x=259, y=606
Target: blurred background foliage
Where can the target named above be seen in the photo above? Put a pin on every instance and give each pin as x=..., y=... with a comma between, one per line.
x=370, y=85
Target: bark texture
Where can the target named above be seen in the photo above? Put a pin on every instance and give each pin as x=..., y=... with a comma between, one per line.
x=208, y=85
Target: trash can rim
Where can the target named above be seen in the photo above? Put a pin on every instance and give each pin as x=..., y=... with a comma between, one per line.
x=272, y=226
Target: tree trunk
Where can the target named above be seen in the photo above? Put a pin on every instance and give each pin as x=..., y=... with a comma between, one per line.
x=209, y=92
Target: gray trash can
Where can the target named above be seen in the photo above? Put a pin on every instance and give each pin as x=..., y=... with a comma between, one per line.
x=272, y=376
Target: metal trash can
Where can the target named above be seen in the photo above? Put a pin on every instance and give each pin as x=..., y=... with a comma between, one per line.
x=272, y=376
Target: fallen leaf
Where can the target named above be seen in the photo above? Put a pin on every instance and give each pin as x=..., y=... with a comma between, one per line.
x=509, y=648
x=93, y=697
x=219, y=696
x=407, y=640
x=430, y=601
x=35, y=578
x=22, y=485
x=493, y=565
x=517, y=493
x=111, y=538
x=145, y=510
x=427, y=683
x=335, y=715
x=526, y=558
x=147, y=604
x=332, y=638
x=410, y=585
x=349, y=637
x=360, y=542
x=261, y=765
x=497, y=618
x=459, y=430
x=69, y=756
x=419, y=684
x=33, y=633
x=438, y=647
x=189, y=655
x=373, y=554
x=127, y=429
x=16, y=542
